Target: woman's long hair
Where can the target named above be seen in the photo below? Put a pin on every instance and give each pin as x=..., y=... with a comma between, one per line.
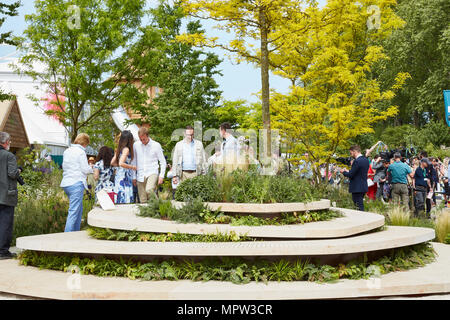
x=126, y=140
x=106, y=154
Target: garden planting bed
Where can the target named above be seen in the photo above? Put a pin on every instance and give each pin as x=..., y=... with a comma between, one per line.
x=80, y=242
x=297, y=263
x=262, y=208
x=125, y=217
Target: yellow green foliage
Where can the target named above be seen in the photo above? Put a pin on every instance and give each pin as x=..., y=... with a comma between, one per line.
x=327, y=53
x=334, y=98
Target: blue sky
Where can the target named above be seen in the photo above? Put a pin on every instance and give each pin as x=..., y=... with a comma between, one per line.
x=239, y=81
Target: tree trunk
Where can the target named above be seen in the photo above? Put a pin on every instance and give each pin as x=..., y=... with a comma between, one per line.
x=265, y=89
x=74, y=134
x=416, y=119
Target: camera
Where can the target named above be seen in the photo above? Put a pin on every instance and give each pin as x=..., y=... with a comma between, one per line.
x=388, y=155
x=19, y=178
x=345, y=160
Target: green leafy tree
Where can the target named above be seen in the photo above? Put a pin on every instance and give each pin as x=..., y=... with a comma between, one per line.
x=102, y=132
x=240, y=114
x=7, y=10
x=422, y=49
x=185, y=75
x=83, y=46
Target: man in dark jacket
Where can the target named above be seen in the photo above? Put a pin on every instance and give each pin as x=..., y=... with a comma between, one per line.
x=358, y=176
x=8, y=194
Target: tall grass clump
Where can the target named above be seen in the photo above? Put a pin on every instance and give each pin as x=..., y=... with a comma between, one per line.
x=399, y=216
x=442, y=226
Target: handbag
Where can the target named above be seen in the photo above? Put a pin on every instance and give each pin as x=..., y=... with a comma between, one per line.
x=370, y=183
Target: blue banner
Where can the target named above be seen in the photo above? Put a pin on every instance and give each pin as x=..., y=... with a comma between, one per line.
x=447, y=106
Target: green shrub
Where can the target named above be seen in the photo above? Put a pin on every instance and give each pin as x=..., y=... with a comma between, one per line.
x=44, y=212
x=192, y=212
x=339, y=196
x=156, y=208
x=43, y=206
x=289, y=189
x=204, y=187
x=248, y=187
x=251, y=187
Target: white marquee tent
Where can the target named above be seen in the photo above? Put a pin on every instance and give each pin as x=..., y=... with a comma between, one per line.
x=41, y=128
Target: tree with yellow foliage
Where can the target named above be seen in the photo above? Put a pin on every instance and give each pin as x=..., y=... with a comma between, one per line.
x=334, y=98
x=259, y=28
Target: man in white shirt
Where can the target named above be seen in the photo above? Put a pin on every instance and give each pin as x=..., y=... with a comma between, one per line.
x=229, y=146
x=147, y=154
x=189, y=157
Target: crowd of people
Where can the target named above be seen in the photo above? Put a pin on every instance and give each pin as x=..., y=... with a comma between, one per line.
x=413, y=182
x=133, y=171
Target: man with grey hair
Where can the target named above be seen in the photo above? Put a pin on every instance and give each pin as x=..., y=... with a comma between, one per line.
x=9, y=173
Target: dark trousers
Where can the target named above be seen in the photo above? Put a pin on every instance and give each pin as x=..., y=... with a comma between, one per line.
x=419, y=199
x=358, y=200
x=6, y=227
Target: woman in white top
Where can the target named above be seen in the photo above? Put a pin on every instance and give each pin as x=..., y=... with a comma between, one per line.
x=75, y=170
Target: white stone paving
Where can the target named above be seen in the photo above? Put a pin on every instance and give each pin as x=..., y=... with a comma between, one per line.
x=432, y=279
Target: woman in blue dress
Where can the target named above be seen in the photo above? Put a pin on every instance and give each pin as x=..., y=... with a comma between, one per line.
x=123, y=184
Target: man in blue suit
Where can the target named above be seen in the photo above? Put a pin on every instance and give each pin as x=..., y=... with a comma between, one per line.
x=358, y=176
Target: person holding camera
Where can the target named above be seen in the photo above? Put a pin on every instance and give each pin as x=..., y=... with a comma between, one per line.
x=358, y=176
x=9, y=175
